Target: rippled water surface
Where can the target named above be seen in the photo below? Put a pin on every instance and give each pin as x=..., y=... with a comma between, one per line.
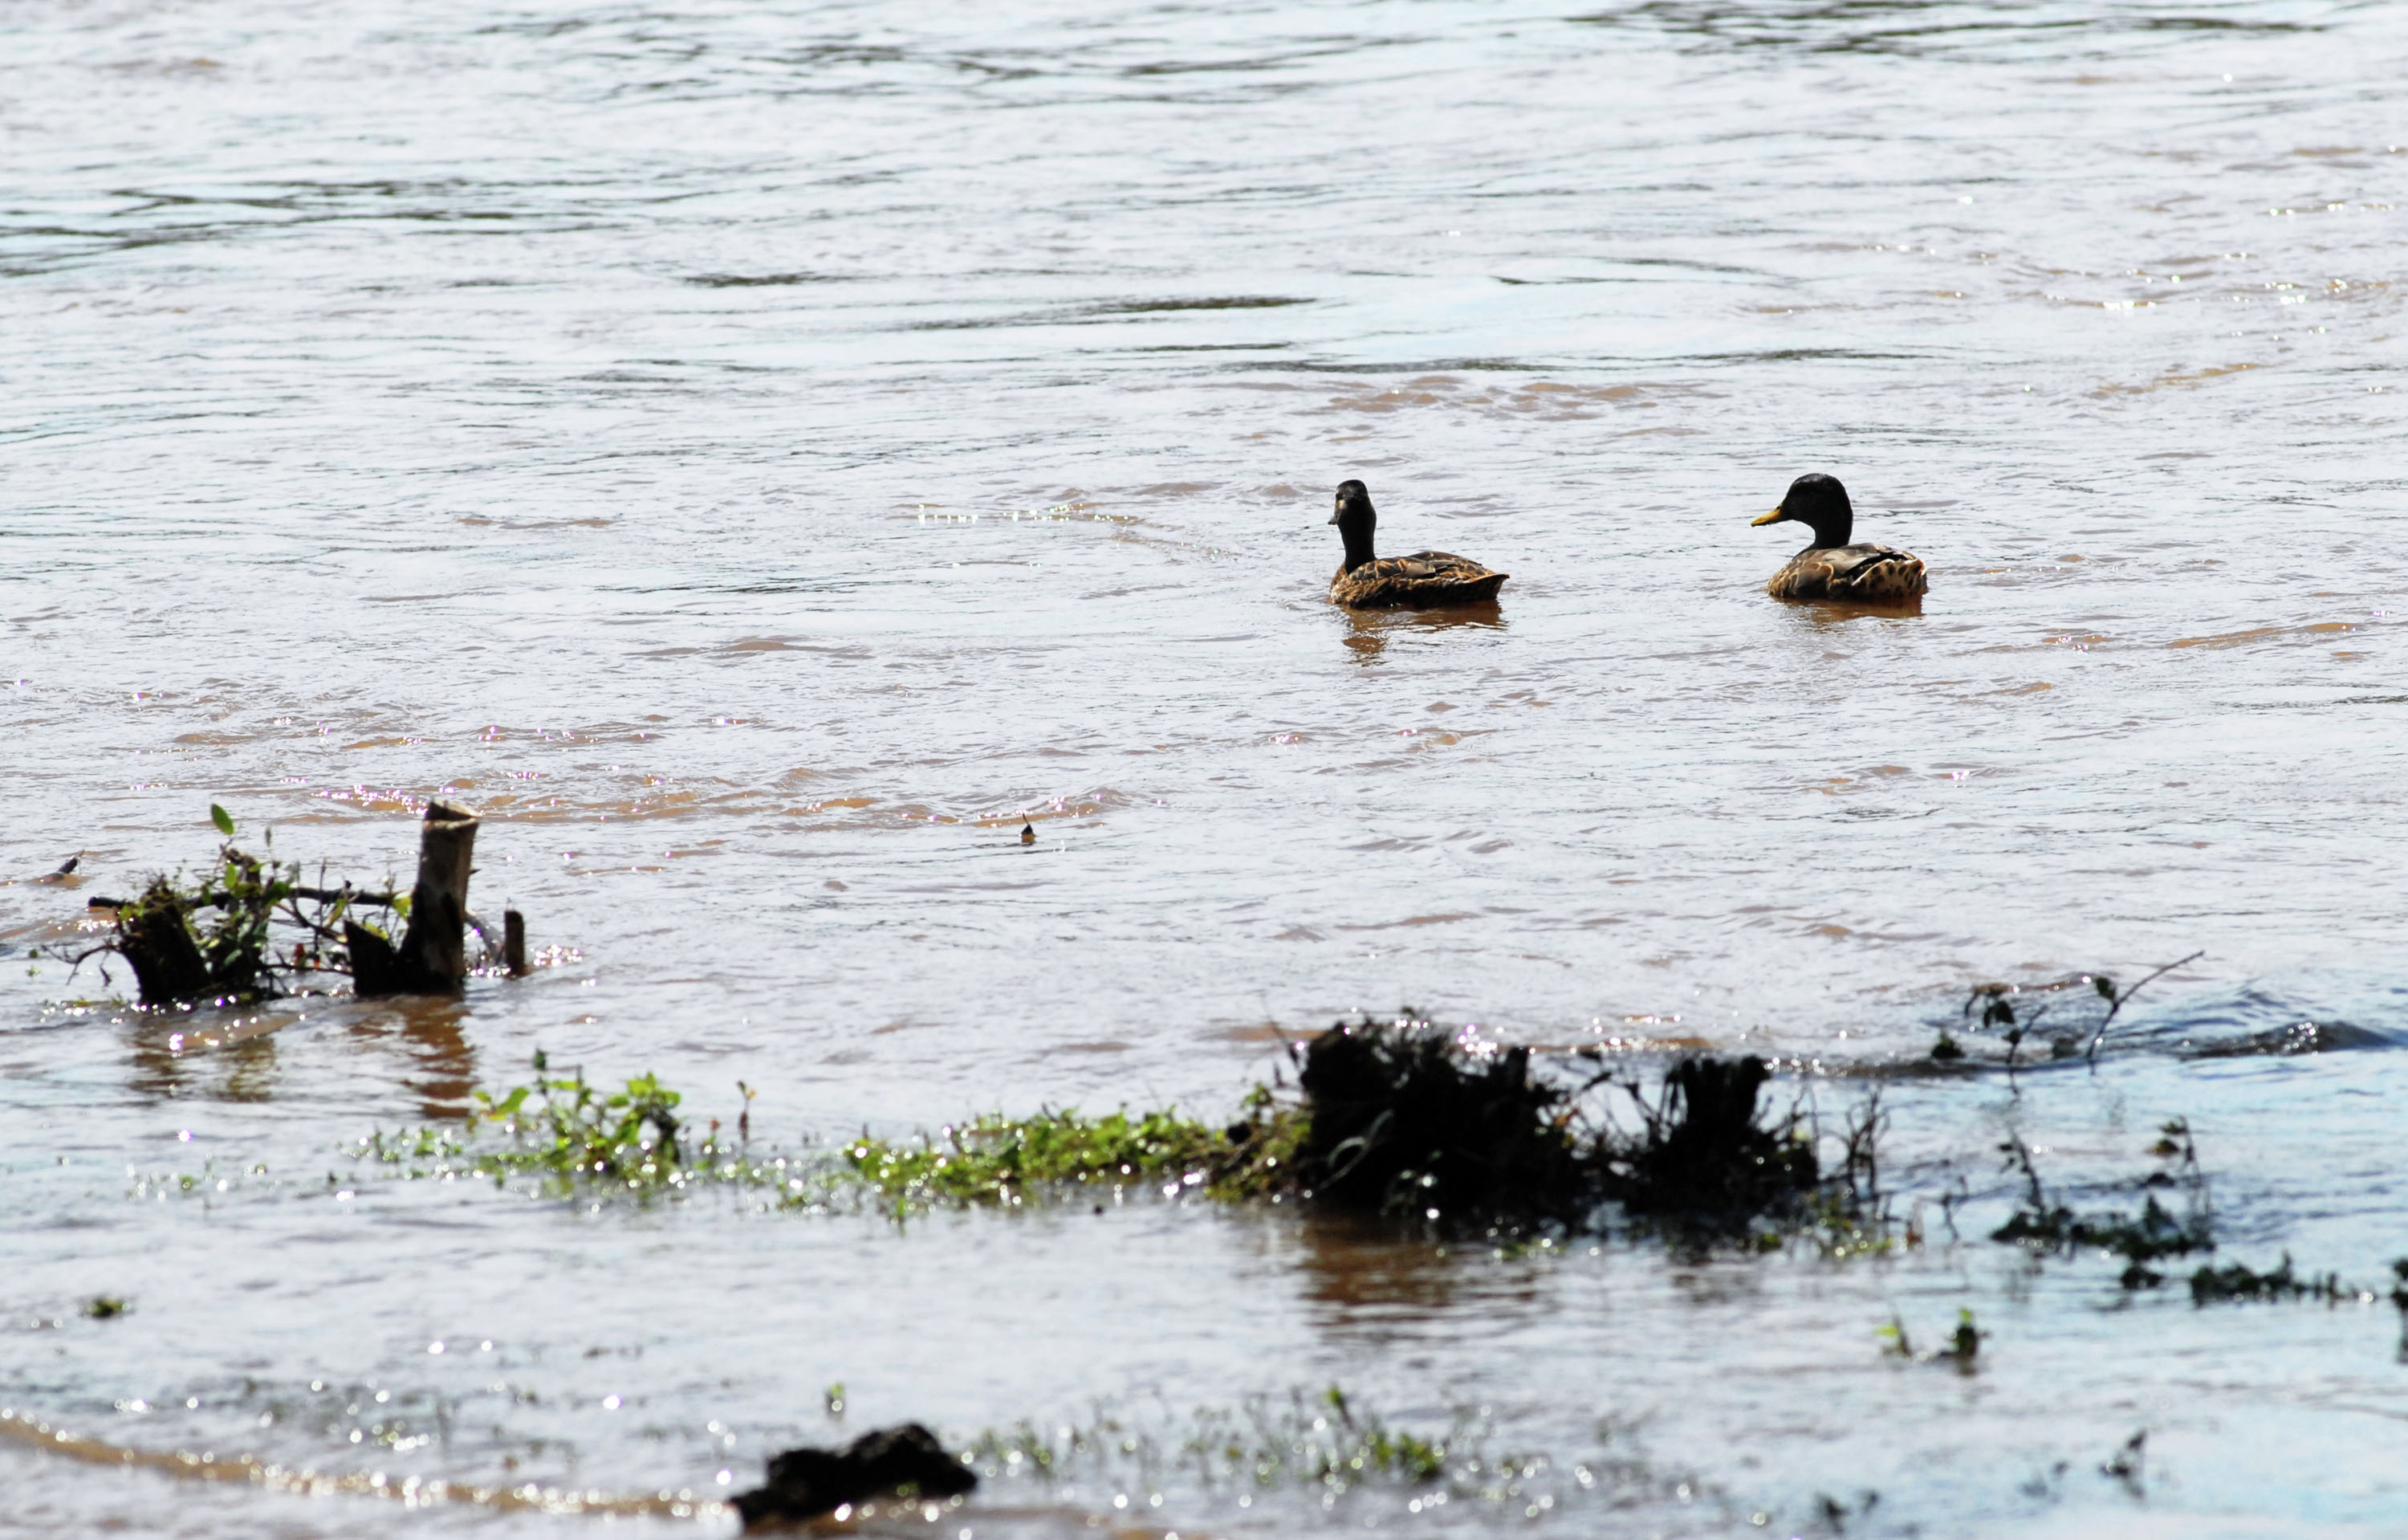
x=760, y=457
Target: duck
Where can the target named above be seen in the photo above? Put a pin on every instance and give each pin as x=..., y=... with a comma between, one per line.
x=1830, y=567
x=1425, y=579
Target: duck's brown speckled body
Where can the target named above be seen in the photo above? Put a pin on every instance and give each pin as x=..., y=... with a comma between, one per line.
x=1425, y=579
x=1831, y=569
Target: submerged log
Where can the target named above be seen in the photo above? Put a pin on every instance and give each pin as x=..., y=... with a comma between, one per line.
x=220, y=898
x=432, y=957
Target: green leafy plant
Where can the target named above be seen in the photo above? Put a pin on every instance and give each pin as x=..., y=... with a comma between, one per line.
x=571, y=1137
x=563, y=1131
x=1001, y=1161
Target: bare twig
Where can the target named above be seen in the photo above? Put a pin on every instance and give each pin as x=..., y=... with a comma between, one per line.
x=2115, y=1001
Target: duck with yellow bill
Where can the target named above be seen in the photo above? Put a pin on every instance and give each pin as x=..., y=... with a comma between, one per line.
x=1830, y=567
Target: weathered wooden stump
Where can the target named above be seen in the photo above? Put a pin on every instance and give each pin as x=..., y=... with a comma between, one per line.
x=432, y=958
x=514, y=942
x=168, y=963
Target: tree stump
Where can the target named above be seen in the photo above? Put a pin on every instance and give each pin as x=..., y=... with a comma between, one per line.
x=168, y=963
x=432, y=958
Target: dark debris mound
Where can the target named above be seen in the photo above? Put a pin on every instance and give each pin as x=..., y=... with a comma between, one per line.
x=1702, y=1152
x=1404, y=1120
x=903, y=1462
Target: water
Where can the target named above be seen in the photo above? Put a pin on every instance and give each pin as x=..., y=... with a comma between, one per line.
x=760, y=459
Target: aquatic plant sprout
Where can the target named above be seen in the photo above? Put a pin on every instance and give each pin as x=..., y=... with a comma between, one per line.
x=999, y=1160
x=1324, y=1442
x=572, y=1138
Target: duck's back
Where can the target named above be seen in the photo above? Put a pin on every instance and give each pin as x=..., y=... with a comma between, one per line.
x=1861, y=574
x=1424, y=580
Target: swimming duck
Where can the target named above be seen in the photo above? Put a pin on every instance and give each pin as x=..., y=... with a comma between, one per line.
x=1831, y=569
x=1425, y=579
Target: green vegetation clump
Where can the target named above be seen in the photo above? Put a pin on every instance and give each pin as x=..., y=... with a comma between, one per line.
x=1001, y=1161
x=569, y=1136
x=564, y=1130
x=101, y=1307
x=1964, y=1342
x=1274, y=1456
x=2156, y=1234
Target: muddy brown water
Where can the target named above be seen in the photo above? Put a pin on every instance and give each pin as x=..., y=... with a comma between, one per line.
x=760, y=459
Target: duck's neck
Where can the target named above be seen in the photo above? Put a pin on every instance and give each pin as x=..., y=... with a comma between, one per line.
x=1833, y=529
x=1358, y=535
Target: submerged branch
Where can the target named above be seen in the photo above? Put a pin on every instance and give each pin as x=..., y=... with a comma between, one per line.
x=224, y=900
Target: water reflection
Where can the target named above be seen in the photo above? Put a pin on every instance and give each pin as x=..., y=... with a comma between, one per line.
x=232, y=1056
x=431, y=1031
x=219, y=1055
x=1357, y=1272
x=1824, y=613
x=1368, y=632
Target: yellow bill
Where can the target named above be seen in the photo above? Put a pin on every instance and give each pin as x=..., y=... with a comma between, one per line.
x=1774, y=517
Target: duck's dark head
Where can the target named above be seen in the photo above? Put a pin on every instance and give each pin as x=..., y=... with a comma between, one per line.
x=1820, y=503
x=1356, y=520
